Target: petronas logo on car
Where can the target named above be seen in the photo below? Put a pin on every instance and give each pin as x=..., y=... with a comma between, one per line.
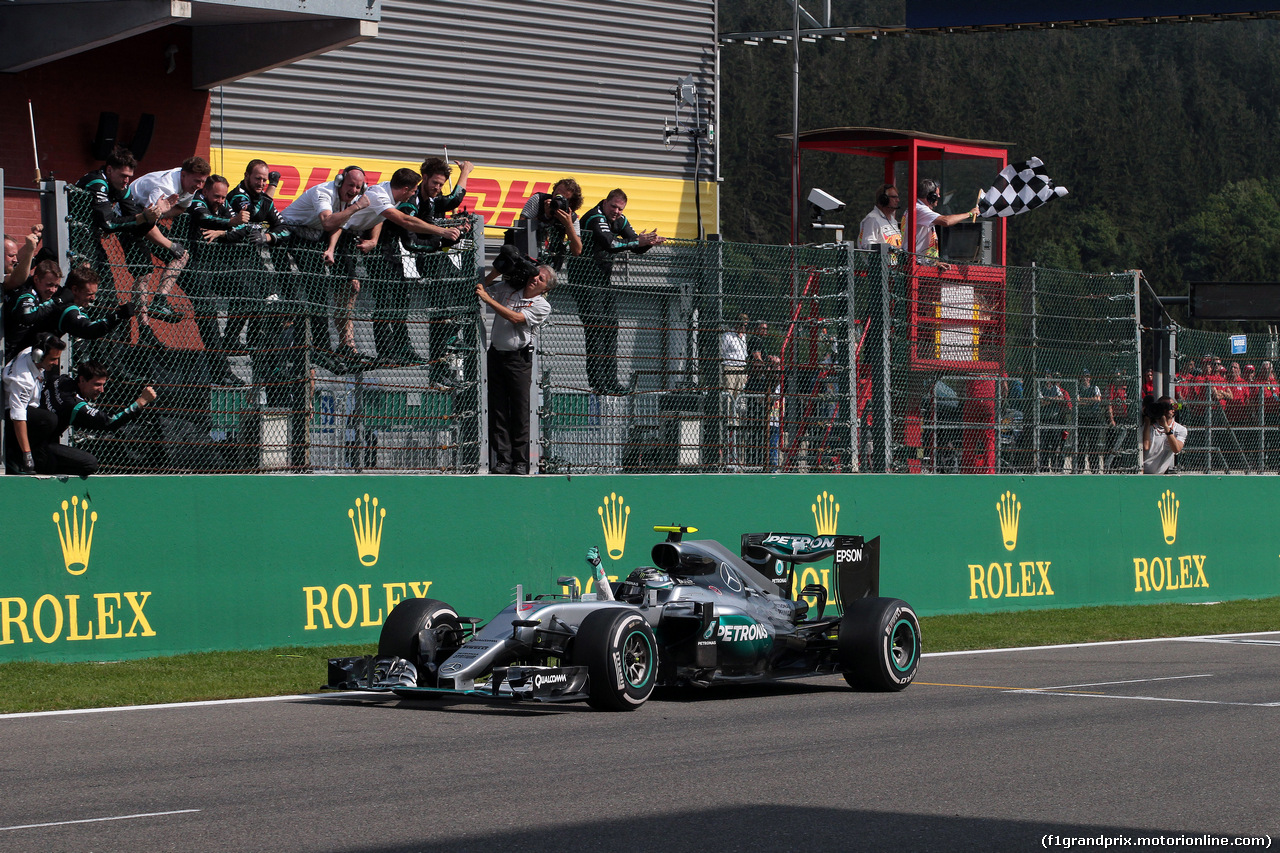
x=743, y=637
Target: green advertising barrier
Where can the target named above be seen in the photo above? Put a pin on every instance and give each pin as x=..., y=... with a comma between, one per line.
x=121, y=567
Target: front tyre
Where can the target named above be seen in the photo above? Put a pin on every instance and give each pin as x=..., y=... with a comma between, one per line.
x=879, y=644
x=621, y=656
x=421, y=628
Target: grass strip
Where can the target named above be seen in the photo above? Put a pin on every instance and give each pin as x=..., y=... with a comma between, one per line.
x=37, y=686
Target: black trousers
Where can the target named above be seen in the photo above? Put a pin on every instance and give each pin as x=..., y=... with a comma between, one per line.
x=599, y=315
x=50, y=456
x=510, y=381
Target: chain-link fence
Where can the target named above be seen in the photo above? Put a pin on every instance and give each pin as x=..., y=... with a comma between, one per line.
x=730, y=357
x=265, y=357
x=690, y=357
x=1229, y=400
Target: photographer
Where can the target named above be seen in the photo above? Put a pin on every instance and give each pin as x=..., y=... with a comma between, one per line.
x=556, y=224
x=1162, y=436
x=521, y=307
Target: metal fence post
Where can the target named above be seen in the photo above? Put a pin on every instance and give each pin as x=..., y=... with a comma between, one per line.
x=851, y=323
x=886, y=354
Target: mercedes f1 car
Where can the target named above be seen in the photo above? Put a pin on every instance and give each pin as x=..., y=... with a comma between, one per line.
x=701, y=615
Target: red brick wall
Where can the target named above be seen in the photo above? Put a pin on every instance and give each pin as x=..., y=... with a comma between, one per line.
x=129, y=78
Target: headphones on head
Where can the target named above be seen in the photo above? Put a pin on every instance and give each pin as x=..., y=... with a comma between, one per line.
x=883, y=199
x=40, y=348
x=342, y=177
x=930, y=191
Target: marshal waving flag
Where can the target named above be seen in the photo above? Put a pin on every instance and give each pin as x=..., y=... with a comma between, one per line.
x=1020, y=187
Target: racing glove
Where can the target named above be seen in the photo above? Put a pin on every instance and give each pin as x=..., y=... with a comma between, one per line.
x=28, y=463
x=125, y=311
x=273, y=178
x=593, y=557
x=178, y=250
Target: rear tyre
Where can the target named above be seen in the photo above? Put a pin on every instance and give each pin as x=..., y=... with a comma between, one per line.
x=879, y=644
x=621, y=656
x=406, y=634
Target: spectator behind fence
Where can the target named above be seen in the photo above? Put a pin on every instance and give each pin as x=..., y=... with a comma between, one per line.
x=520, y=304
x=433, y=205
x=18, y=258
x=24, y=379
x=1162, y=436
x=317, y=217
x=211, y=273
x=978, y=438
x=68, y=401
x=555, y=222
x=27, y=307
x=68, y=315
x=254, y=217
x=393, y=276
x=404, y=253
x=1092, y=435
x=117, y=212
x=1119, y=419
x=733, y=366
x=179, y=187
x=878, y=227
x=608, y=234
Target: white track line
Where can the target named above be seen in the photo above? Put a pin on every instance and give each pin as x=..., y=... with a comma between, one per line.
x=1146, y=698
x=1205, y=638
x=1108, y=683
x=204, y=703
x=96, y=819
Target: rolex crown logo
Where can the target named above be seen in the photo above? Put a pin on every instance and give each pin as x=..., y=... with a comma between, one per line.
x=75, y=535
x=826, y=514
x=366, y=523
x=614, y=515
x=1169, y=504
x=1009, y=508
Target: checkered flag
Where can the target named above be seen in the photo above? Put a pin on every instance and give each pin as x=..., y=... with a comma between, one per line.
x=1020, y=187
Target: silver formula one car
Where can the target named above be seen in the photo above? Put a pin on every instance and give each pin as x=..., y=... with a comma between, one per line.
x=701, y=615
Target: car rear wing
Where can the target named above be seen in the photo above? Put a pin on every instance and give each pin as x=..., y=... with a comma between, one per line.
x=857, y=561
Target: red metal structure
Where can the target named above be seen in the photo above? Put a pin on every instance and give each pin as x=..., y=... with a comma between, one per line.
x=957, y=309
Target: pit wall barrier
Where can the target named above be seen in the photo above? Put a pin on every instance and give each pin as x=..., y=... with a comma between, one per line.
x=124, y=567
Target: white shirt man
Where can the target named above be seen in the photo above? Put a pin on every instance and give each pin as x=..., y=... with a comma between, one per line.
x=927, y=217
x=183, y=182
x=327, y=206
x=1161, y=441
x=23, y=382
x=381, y=198
x=878, y=226
x=733, y=361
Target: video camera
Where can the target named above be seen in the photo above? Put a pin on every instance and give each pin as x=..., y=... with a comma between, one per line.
x=515, y=265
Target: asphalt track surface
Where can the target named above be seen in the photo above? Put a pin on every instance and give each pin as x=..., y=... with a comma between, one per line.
x=987, y=751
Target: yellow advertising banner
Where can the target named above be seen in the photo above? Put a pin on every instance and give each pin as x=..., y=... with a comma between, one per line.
x=497, y=194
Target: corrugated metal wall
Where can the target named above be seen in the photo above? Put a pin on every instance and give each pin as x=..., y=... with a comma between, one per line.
x=541, y=84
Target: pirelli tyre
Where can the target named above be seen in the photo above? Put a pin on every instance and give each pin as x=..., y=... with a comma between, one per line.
x=618, y=649
x=403, y=634
x=879, y=644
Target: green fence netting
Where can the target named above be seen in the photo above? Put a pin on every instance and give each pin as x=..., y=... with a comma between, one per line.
x=249, y=364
